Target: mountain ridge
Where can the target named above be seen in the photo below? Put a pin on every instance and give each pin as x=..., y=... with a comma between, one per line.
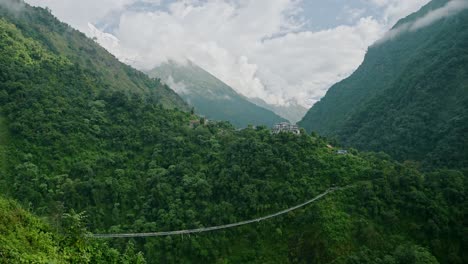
x=292, y=112
x=61, y=39
x=389, y=103
x=86, y=156
x=211, y=97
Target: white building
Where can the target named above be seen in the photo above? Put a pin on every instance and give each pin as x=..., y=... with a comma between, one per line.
x=286, y=127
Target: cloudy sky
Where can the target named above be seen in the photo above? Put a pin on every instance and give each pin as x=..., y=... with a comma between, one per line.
x=282, y=51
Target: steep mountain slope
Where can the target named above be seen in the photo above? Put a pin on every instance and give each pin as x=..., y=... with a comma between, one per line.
x=409, y=98
x=131, y=165
x=60, y=39
x=211, y=97
x=292, y=112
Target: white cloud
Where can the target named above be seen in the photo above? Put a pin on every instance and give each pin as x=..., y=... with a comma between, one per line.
x=314, y=60
x=79, y=13
x=393, y=10
x=112, y=44
x=255, y=46
x=178, y=87
x=451, y=8
x=350, y=14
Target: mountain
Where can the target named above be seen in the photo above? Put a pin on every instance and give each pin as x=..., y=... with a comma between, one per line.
x=84, y=156
x=292, y=112
x=211, y=97
x=409, y=98
x=74, y=49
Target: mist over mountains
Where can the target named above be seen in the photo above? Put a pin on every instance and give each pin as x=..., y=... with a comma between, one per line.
x=211, y=97
x=283, y=58
x=90, y=145
x=409, y=98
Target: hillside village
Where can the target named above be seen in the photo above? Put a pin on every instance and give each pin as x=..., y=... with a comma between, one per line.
x=286, y=127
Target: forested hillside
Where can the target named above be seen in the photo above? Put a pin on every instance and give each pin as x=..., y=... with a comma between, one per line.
x=28, y=239
x=211, y=97
x=83, y=153
x=409, y=98
x=101, y=68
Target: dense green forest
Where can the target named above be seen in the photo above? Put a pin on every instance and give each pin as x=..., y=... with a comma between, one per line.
x=25, y=238
x=409, y=98
x=90, y=156
x=213, y=98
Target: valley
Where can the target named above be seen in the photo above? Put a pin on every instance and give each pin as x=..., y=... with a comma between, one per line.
x=101, y=163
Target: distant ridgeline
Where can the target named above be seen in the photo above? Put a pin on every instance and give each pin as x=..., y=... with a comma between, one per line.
x=211, y=97
x=90, y=144
x=409, y=98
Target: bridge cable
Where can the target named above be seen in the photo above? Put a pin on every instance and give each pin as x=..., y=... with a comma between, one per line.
x=213, y=228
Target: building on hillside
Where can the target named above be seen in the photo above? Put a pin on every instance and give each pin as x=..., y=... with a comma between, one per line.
x=286, y=127
x=341, y=152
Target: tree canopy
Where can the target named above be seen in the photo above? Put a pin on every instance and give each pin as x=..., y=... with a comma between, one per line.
x=89, y=156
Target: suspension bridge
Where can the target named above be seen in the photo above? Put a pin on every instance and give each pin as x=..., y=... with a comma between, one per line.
x=220, y=227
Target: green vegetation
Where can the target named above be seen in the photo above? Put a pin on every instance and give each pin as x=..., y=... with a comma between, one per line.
x=101, y=68
x=4, y=139
x=27, y=239
x=213, y=98
x=90, y=156
x=409, y=98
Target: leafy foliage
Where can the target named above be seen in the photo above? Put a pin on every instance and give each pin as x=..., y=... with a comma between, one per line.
x=26, y=239
x=76, y=145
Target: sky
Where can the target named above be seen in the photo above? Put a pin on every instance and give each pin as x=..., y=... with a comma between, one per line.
x=282, y=51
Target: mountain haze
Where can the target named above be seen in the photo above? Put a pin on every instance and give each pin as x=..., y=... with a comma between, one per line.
x=409, y=98
x=211, y=97
x=77, y=50
x=292, y=112
x=88, y=144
